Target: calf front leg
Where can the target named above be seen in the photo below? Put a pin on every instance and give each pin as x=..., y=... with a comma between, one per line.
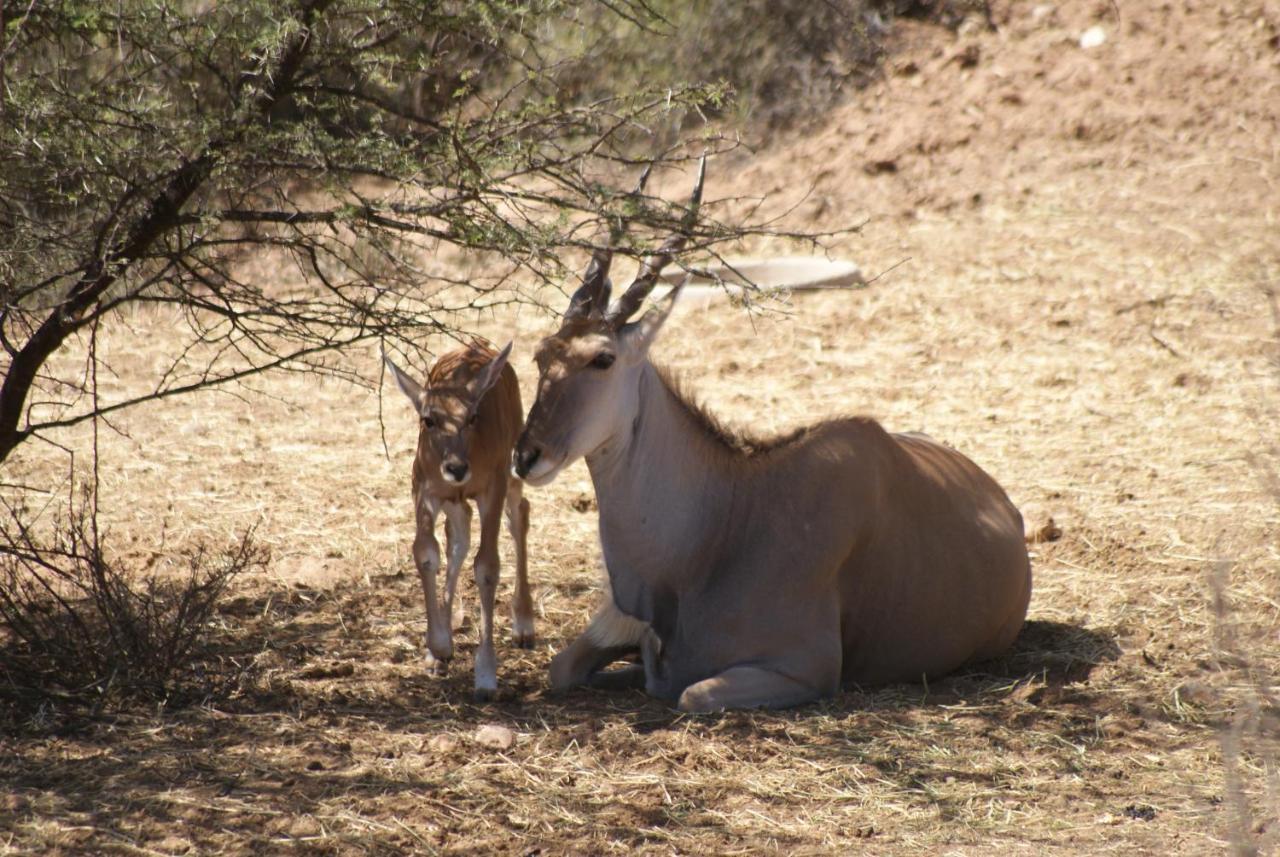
x=426, y=556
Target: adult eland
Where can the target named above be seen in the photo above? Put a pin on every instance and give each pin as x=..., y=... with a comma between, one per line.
x=757, y=572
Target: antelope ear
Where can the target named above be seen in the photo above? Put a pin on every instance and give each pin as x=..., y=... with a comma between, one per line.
x=491, y=373
x=640, y=334
x=411, y=388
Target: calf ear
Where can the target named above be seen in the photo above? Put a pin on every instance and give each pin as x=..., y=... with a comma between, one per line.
x=490, y=374
x=411, y=388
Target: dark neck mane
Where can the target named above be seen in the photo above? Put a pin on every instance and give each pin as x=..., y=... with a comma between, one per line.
x=732, y=441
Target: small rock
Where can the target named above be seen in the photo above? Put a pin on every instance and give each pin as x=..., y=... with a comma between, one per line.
x=972, y=25
x=495, y=737
x=968, y=56
x=1031, y=694
x=303, y=827
x=1140, y=812
x=14, y=803
x=1195, y=692
x=1049, y=531
x=1042, y=12
x=1092, y=38
x=442, y=744
x=343, y=669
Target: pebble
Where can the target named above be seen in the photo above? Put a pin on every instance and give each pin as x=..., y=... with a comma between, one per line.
x=495, y=737
x=1092, y=38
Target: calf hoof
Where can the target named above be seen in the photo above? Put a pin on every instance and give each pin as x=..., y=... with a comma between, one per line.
x=522, y=630
x=486, y=673
x=439, y=644
x=437, y=667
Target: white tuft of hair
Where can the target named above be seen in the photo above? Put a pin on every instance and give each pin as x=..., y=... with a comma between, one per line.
x=610, y=627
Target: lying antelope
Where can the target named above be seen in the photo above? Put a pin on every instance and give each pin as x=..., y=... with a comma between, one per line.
x=755, y=572
x=469, y=411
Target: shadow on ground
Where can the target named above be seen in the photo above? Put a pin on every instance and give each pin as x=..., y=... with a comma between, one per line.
x=337, y=709
x=1052, y=653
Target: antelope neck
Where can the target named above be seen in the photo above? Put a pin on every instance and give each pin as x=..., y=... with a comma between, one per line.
x=661, y=489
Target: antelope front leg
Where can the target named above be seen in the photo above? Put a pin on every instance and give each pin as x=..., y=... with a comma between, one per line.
x=746, y=687
x=522, y=602
x=486, y=572
x=426, y=556
x=610, y=635
x=808, y=672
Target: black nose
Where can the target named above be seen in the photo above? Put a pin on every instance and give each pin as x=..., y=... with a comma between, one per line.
x=456, y=469
x=525, y=458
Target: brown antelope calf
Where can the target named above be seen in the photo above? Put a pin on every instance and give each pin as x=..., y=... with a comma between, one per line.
x=762, y=572
x=469, y=411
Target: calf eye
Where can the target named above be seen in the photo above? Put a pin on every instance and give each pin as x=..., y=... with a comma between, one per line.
x=603, y=360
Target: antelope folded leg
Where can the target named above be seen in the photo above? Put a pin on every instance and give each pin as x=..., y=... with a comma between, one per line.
x=746, y=687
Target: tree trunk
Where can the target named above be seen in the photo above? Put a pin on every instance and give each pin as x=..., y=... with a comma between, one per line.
x=163, y=214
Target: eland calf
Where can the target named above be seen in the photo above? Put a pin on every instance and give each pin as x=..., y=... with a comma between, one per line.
x=755, y=572
x=469, y=418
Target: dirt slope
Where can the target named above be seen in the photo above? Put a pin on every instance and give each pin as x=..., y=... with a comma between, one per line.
x=1175, y=109
x=1075, y=242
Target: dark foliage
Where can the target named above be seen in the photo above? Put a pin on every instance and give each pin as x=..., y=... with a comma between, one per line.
x=79, y=631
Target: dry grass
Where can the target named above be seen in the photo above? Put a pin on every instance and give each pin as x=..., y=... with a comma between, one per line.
x=1100, y=344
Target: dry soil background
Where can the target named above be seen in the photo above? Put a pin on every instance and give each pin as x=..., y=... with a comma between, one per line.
x=1076, y=244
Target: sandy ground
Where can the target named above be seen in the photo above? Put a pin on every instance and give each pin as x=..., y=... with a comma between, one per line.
x=1075, y=246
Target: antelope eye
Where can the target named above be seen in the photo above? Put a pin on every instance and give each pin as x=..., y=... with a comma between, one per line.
x=429, y=422
x=603, y=360
x=471, y=420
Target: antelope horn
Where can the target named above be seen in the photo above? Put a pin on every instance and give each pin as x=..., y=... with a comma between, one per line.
x=595, y=288
x=592, y=297
x=652, y=266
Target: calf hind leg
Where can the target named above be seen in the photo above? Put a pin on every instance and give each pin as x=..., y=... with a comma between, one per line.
x=522, y=601
x=486, y=573
x=457, y=527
